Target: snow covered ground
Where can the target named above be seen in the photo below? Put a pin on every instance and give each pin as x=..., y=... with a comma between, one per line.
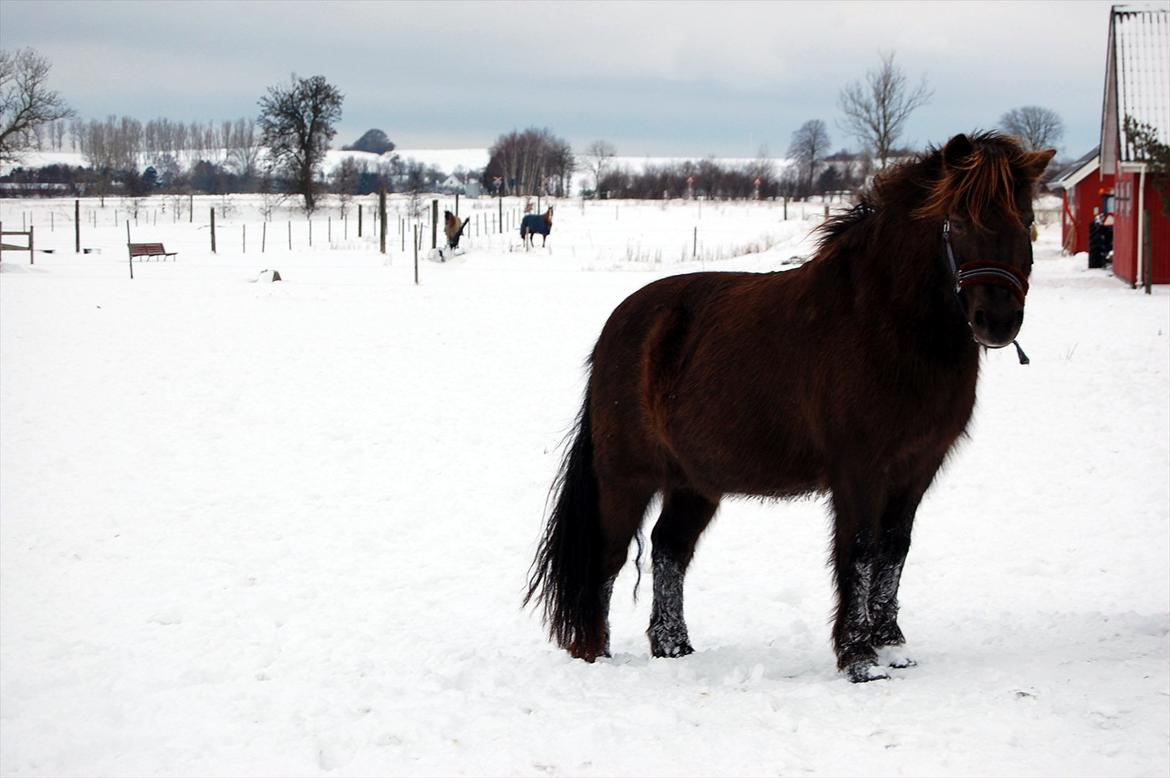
x=283, y=529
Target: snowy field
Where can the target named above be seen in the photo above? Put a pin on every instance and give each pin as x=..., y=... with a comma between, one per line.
x=283, y=529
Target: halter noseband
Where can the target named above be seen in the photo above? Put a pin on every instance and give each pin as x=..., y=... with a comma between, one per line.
x=985, y=272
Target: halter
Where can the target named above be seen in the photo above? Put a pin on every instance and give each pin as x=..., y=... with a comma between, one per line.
x=985, y=272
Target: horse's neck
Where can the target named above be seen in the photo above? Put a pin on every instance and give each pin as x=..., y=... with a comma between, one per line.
x=896, y=272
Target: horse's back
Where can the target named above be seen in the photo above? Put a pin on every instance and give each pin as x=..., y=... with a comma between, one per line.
x=755, y=382
x=533, y=223
x=689, y=378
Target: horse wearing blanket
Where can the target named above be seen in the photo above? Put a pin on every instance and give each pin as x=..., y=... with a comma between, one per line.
x=534, y=224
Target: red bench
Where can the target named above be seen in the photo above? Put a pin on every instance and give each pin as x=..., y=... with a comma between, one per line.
x=149, y=250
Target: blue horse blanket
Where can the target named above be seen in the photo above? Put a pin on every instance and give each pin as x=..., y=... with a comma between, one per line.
x=534, y=223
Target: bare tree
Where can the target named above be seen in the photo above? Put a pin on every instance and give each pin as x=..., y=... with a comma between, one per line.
x=598, y=155
x=561, y=165
x=526, y=161
x=1036, y=127
x=244, y=147
x=26, y=102
x=345, y=182
x=808, y=147
x=297, y=122
x=876, y=110
x=762, y=169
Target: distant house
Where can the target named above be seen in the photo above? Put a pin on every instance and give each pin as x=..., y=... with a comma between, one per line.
x=1082, y=188
x=453, y=184
x=1137, y=85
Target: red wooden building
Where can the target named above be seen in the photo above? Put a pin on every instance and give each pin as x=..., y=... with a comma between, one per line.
x=1137, y=86
x=1082, y=198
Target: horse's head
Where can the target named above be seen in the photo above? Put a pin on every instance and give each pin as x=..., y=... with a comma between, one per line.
x=984, y=199
x=548, y=216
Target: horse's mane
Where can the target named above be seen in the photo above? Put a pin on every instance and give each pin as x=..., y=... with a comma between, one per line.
x=979, y=176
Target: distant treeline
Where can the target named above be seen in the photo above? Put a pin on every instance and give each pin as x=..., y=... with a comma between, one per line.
x=351, y=177
x=710, y=178
x=127, y=156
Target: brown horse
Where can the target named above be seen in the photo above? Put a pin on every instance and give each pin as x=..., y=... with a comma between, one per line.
x=853, y=375
x=453, y=228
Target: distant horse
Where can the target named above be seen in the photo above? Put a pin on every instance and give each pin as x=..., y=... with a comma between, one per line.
x=453, y=229
x=853, y=375
x=534, y=224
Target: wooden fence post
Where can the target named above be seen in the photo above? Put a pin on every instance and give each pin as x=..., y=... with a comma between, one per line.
x=212, y=230
x=129, y=254
x=263, y=236
x=77, y=226
x=382, y=219
x=434, y=224
x=416, y=240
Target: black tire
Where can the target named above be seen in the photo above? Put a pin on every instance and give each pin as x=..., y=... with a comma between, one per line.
x=1097, y=245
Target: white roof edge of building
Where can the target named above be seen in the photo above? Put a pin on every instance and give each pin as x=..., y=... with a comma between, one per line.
x=1071, y=179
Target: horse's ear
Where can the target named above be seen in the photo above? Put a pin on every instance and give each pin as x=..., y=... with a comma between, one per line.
x=957, y=149
x=1037, y=161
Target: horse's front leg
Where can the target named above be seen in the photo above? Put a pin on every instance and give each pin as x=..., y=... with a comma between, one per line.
x=856, y=505
x=893, y=544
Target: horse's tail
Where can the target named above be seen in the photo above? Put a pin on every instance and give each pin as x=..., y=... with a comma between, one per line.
x=565, y=576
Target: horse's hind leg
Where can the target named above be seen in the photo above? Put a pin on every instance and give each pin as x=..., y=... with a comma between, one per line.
x=685, y=514
x=622, y=508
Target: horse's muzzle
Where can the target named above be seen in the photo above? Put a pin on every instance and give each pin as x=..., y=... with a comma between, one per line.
x=995, y=326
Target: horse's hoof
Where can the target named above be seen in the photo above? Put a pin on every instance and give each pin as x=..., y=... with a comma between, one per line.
x=669, y=643
x=896, y=657
x=587, y=653
x=864, y=672
x=672, y=650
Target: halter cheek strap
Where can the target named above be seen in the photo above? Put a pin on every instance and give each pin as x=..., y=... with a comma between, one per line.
x=986, y=272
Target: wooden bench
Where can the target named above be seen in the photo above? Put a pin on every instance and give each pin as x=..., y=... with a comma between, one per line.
x=15, y=247
x=149, y=250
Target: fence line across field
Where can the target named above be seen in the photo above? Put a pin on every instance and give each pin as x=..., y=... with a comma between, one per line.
x=92, y=222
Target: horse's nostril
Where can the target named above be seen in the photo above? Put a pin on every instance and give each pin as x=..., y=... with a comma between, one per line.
x=980, y=318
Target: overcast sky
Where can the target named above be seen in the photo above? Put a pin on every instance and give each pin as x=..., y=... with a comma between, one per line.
x=653, y=78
